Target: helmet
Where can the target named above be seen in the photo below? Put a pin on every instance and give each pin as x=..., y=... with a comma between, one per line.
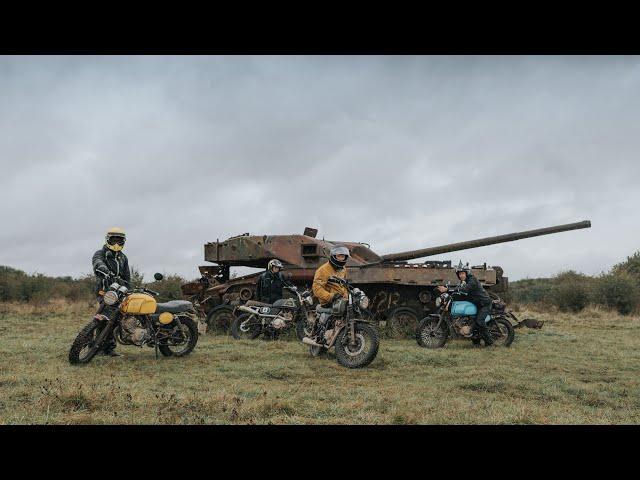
x=274, y=263
x=115, y=238
x=463, y=268
x=338, y=250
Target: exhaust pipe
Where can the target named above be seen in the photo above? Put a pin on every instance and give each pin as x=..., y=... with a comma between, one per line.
x=308, y=341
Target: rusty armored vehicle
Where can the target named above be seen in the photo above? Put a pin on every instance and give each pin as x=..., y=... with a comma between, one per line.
x=401, y=293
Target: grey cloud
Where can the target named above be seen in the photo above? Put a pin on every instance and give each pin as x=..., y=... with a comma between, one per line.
x=399, y=152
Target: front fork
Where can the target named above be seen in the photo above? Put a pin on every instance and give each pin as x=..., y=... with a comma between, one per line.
x=352, y=333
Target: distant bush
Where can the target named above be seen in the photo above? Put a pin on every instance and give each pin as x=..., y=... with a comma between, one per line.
x=571, y=291
x=530, y=290
x=168, y=287
x=630, y=266
x=18, y=286
x=619, y=291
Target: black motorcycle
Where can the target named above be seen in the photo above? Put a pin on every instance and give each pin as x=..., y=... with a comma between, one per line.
x=133, y=317
x=455, y=318
x=342, y=325
x=274, y=319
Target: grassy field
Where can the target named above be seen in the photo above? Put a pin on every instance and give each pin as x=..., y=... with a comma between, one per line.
x=579, y=369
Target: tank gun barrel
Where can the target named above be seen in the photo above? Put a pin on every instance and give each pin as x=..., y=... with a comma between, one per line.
x=481, y=242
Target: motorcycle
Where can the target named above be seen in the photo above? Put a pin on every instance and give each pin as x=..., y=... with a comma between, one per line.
x=342, y=325
x=456, y=318
x=273, y=319
x=133, y=317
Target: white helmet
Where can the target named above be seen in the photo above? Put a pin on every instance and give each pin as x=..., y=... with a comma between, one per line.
x=274, y=263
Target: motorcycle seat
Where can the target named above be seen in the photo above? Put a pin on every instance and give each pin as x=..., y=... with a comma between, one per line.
x=255, y=303
x=320, y=309
x=174, y=306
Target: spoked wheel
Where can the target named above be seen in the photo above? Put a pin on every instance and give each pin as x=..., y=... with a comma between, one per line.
x=85, y=345
x=430, y=335
x=246, y=327
x=362, y=352
x=402, y=323
x=501, y=332
x=304, y=328
x=182, y=339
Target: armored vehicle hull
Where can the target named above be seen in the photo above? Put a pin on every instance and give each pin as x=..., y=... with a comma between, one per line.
x=401, y=293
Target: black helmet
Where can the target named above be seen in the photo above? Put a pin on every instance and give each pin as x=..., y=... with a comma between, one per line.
x=463, y=268
x=338, y=250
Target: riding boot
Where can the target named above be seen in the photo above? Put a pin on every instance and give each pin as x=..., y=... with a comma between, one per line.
x=109, y=350
x=486, y=336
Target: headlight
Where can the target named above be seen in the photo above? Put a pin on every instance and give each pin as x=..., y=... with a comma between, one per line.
x=110, y=298
x=364, y=302
x=438, y=301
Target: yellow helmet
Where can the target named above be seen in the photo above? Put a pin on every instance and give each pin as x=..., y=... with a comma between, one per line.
x=115, y=239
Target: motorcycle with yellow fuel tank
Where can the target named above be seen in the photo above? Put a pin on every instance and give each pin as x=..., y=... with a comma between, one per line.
x=134, y=317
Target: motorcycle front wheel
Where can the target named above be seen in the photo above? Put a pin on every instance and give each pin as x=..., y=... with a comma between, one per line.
x=246, y=327
x=303, y=329
x=363, y=351
x=85, y=345
x=501, y=331
x=430, y=335
x=182, y=341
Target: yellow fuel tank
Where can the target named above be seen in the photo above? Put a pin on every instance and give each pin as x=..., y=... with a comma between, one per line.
x=138, y=304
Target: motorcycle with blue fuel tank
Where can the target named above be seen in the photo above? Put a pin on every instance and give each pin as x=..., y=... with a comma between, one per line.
x=455, y=318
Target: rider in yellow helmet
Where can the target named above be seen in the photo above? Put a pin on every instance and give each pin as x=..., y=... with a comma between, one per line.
x=110, y=265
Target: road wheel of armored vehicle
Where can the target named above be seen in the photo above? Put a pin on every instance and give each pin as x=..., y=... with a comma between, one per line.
x=246, y=327
x=183, y=339
x=501, y=331
x=431, y=335
x=402, y=323
x=365, y=349
x=220, y=318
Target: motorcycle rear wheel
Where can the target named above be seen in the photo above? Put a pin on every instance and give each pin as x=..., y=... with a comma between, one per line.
x=501, y=331
x=365, y=350
x=84, y=347
x=190, y=330
x=252, y=328
x=430, y=335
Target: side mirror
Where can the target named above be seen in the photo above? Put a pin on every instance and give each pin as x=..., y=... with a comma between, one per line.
x=158, y=276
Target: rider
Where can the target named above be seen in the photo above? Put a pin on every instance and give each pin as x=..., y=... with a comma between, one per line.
x=110, y=262
x=270, y=283
x=477, y=295
x=328, y=292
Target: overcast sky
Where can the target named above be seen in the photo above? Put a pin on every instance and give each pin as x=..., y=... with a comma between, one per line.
x=399, y=152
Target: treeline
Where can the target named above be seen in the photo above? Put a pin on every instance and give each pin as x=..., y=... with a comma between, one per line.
x=18, y=286
x=571, y=291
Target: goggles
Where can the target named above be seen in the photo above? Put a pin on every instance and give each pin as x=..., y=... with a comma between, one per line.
x=115, y=240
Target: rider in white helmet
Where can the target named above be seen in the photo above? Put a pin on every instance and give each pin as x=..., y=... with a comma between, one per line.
x=270, y=283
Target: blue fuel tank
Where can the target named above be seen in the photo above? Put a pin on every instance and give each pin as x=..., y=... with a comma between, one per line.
x=463, y=309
